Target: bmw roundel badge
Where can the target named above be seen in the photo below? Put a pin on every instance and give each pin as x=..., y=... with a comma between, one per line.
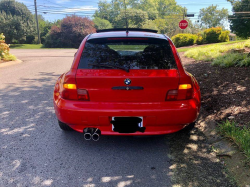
x=127, y=81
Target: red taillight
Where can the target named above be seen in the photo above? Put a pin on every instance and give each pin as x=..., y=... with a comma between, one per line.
x=185, y=91
x=172, y=95
x=71, y=92
x=83, y=94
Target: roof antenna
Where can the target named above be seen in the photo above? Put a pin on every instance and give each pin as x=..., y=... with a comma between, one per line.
x=126, y=17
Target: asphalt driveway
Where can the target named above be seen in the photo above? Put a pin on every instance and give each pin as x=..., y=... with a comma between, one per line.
x=35, y=152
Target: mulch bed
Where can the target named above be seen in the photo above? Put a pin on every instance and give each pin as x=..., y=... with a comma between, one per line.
x=225, y=92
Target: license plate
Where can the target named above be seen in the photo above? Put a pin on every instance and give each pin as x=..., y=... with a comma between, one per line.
x=140, y=124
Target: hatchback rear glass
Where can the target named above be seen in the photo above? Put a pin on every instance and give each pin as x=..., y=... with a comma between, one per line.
x=130, y=53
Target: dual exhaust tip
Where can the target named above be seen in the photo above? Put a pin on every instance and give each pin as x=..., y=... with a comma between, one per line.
x=92, y=133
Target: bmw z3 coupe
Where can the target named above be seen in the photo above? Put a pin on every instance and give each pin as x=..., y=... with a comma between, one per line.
x=126, y=82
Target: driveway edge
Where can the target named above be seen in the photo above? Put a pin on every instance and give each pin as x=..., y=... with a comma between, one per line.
x=228, y=152
x=9, y=63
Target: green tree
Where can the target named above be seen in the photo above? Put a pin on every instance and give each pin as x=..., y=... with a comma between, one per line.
x=168, y=7
x=135, y=18
x=239, y=24
x=16, y=21
x=102, y=23
x=44, y=27
x=162, y=15
x=212, y=16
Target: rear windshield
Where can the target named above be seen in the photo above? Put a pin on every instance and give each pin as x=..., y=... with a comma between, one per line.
x=129, y=53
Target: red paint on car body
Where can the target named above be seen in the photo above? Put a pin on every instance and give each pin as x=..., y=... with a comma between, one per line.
x=160, y=116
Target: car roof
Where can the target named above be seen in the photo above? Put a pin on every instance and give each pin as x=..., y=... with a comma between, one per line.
x=129, y=34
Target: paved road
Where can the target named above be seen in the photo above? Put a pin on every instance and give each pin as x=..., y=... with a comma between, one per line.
x=35, y=152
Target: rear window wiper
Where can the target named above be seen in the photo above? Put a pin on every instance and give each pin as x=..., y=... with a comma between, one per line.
x=110, y=66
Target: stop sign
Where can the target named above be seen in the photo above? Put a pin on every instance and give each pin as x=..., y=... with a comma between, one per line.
x=183, y=24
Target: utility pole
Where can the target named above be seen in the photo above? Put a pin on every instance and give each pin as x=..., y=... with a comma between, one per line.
x=37, y=26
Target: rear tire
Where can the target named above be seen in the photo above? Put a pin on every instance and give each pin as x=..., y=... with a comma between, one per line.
x=63, y=126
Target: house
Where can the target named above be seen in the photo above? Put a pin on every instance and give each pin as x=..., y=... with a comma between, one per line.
x=232, y=37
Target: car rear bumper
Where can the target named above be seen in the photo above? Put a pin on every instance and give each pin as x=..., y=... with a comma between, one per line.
x=158, y=117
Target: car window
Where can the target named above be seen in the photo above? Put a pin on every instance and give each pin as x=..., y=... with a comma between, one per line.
x=132, y=53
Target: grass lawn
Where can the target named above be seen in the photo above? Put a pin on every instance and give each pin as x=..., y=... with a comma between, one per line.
x=222, y=54
x=240, y=135
x=31, y=46
x=184, y=49
x=26, y=46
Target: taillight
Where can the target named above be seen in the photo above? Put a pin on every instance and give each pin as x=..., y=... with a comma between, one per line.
x=82, y=94
x=185, y=86
x=172, y=95
x=185, y=91
x=69, y=86
x=71, y=92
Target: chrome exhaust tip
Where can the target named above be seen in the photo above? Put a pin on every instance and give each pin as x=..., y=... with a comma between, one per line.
x=87, y=136
x=95, y=137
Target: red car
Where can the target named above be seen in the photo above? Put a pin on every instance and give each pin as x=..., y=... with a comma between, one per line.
x=126, y=82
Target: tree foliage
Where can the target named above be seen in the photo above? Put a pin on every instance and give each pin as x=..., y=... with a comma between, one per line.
x=44, y=27
x=162, y=15
x=239, y=24
x=16, y=21
x=102, y=23
x=212, y=16
x=70, y=32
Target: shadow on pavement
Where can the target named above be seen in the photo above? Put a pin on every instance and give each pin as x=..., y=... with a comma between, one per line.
x=35, y=152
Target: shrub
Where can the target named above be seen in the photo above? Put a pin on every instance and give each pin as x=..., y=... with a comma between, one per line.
x=224, y=36
x=9, y=57
x=69, y=33
x=247, y=44
x=184, y=39
x=199, y=40
x=215, y=35
x=30, y=39
x=211, y=35
x=4, y=50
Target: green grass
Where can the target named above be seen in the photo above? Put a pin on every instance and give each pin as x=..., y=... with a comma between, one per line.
x=241, y=136
x=128, y=47
x=184, y=49
x=26, y=46
x=232, y=59
x=210, y=52
x=31, y=46
x=220, y=54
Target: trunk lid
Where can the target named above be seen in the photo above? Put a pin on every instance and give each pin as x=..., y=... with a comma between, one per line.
x=145, y=86
x=147, y=65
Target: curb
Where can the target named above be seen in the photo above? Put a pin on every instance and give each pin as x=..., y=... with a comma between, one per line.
x=9, y=63
x=232, y=158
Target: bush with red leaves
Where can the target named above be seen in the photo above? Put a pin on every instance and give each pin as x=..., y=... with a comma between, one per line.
x=70, y=32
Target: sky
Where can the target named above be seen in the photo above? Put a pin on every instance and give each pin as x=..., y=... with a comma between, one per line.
x=52, y=10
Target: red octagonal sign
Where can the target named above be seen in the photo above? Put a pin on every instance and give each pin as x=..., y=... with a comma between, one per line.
x=183, y=24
